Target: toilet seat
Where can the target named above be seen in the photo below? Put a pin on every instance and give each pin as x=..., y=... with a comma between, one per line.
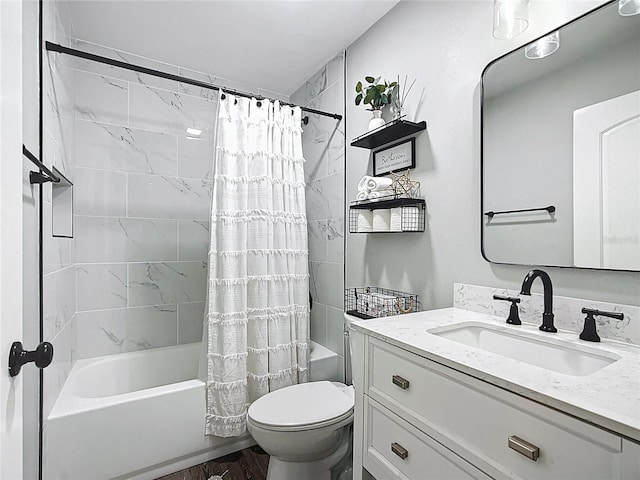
x=305, y=406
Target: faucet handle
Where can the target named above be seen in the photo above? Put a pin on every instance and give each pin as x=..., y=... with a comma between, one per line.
x=589, y=332
x=514, y=317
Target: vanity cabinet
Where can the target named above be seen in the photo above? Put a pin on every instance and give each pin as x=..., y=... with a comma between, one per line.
x=449, y=425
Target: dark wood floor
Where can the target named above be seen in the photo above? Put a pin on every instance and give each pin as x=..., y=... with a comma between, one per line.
x=248, y=464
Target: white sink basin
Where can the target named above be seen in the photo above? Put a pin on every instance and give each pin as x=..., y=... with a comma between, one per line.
x=551, y=354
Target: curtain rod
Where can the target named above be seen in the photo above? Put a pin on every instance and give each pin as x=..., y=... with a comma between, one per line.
x=54, y=47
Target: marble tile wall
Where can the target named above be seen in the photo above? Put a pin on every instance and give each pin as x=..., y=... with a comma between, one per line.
x=324, y=145
x=143, y=191
x=567, y=311
x=59, y=278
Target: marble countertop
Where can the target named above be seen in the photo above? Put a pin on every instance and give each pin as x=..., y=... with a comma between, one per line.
x=609, y=398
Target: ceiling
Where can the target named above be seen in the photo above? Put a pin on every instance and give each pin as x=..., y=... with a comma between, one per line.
x=273, y=45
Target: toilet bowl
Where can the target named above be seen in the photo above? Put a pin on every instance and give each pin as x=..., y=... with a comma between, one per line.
x=305, y=428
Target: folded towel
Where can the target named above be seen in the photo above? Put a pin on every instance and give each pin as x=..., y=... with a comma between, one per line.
x=362, y=195
x=365, y=221
x=381, y=220
x=379, y=194
x=395, y=223
x=371, y=184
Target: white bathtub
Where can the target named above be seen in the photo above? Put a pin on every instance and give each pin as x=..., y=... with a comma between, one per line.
x=140, y=415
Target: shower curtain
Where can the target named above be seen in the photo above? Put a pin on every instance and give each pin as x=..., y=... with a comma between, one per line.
x=257, y=318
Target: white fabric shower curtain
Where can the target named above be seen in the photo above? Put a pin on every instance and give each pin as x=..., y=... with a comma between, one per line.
x=257, y=318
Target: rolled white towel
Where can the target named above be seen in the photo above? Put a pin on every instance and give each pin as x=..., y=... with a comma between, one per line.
x=381, y=220
x=363, y=183
x=365, y=221
x=362, y=195
x=371, y=184
x=379, y=194
x=395, y=223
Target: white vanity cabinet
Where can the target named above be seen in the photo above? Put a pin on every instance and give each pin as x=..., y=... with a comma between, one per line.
x=419, y=420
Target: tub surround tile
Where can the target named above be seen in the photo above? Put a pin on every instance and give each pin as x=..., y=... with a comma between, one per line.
x=335, y=240
x=195, y=158
x=327, y=283
x=108, y=332
x=317, y=232
x=567, y=311
x=166, y=283
x=323, y=145
x=316, y=84
x=109, y=240
x=101, y=98
x=56, y=250
x=335, y=69
x=193, y=240
x=100, y=193
x=152, y=196
x=318, y=322
x=325, y=197
x=101, y=286
x=59, y=298
x=57, y=372
x=206, y=93
x=190, y=322
x=170, y=112
x=115, y=72
x=112, y=147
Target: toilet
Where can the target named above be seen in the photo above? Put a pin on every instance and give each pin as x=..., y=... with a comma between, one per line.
x=305, y=428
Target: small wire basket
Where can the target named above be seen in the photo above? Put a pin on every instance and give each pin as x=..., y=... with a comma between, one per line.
x=376, y=302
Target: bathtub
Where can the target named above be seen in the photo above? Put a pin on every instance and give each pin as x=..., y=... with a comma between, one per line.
x=140, y=415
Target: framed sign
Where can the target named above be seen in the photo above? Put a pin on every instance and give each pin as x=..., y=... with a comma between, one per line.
x=394, y=158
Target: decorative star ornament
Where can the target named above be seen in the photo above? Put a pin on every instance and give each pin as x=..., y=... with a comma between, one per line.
x=403, y=186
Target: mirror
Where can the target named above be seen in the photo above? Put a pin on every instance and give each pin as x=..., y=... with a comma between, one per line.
x=561, y=149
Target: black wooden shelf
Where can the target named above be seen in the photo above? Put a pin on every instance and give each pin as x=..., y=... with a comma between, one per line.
x=388, y=133
x=390, y=203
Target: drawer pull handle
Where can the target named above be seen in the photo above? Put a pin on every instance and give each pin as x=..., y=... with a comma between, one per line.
x=401, y=382
x=399, y=450
x=525, y=448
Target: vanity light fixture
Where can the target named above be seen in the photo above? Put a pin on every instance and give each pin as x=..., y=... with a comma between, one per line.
x=194, y=131
x=510, y=18
x=543, y=47
x=626, y=8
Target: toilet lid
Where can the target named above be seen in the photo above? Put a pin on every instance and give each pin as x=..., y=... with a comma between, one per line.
x=302, y=404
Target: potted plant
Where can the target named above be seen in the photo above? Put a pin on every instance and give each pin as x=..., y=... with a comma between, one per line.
x=377, y=95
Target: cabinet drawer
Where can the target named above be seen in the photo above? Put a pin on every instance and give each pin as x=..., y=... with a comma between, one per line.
x=396, y=450
x=476, y=419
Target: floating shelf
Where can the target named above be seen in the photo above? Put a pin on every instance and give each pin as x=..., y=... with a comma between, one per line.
x=388, y=133
x=411, y=216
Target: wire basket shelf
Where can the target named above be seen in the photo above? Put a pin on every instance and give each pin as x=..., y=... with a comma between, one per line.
x=376, y=302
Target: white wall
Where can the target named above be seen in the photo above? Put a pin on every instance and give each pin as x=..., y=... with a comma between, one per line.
x=446, y=45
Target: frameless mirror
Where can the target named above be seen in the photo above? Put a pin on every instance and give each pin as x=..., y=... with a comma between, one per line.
x=561, y=147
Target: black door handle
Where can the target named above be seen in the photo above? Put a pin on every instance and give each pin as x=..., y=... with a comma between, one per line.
x=42, y=357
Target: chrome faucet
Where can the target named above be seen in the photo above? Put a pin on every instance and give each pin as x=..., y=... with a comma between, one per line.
x=547, y=316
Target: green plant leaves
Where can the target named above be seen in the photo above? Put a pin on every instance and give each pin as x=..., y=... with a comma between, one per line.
x=375, y=94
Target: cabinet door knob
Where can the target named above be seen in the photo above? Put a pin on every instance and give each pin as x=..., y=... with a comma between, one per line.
x=399, y=450
x=401, y=382
x=523, y=447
